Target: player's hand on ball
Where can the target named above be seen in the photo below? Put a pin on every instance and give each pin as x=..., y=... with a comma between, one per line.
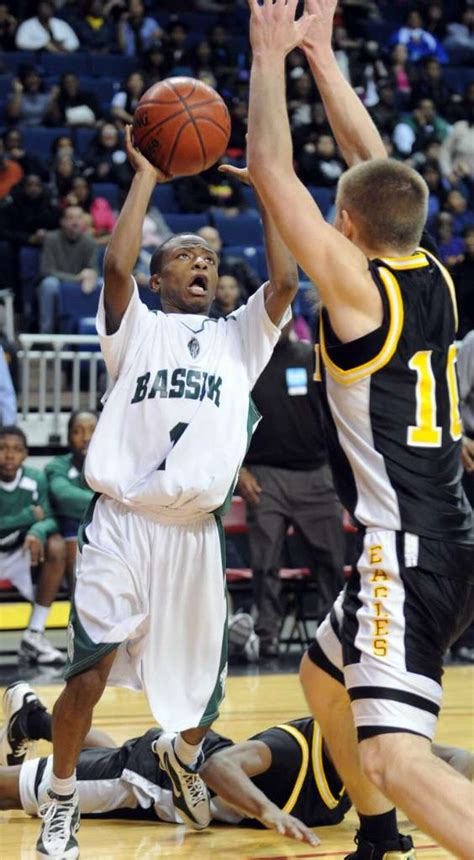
x=240, y=173
x=138, y=161
x=285, y=824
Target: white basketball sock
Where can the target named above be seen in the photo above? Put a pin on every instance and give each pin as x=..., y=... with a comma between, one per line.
x=187, y=753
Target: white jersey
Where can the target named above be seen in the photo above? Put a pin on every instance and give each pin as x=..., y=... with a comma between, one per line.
x=177, y=418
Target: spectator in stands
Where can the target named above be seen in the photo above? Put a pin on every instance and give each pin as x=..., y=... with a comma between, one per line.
x=68, y=254
x=463, y=276
x=238, y=128
x=199, y=58
x=418, y=41
x=7, y=395
x=68, y=490
x=175, y=47
x=95, y=28
x=63, y=169
x=385, y=114
x=15, y=149
x=73, y=106
x=98, y=215
x=456, y=157
x=286, y=480
x=460, y=35
x=457, y=204
x=29, y=104
x=124, y=102
x=44, y=32
x=137, y=31
x=400, y=74
x=319, y=163
x=435, y=22
x=106, y=160
x=210, y=188
x=28, y=538
x=227, y=298
x=154, y=66
x=310, y=133
x=451, y=247
x=421, y=127
x=301, y=94
x=437, y=188
x=231, y=264
x=223, y=57
x=11, y=173
x=26, y=217
x=8, y=25
x=431, y=85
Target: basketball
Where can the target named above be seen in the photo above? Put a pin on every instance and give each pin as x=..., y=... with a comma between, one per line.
x=181, y=125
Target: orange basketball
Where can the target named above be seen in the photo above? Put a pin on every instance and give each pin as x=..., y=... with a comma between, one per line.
x=181, y=125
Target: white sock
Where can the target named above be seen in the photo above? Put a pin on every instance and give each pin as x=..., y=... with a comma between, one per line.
x=39, y=617
x=187, y=753
x=63, y=787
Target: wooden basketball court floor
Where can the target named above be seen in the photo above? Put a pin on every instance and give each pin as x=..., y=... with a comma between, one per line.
x=252, y=703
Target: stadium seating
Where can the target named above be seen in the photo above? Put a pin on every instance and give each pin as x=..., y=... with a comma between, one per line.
x=29, y=276
x=74, y=305
x=164, y=199
x=109, y=190
x=187, y=222
x=39, y=139
x=243, y=229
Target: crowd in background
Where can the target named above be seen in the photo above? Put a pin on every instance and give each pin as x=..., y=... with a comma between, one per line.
x=411, y=64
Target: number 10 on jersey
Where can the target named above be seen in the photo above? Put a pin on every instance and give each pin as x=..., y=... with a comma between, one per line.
x=426, y=433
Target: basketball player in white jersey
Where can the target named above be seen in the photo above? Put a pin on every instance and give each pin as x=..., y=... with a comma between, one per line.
x=149, y=607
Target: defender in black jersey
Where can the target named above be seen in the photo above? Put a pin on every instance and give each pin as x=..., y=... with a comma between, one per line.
x=386, y=359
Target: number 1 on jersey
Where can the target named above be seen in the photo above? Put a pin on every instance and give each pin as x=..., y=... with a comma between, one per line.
x=426, y=433
x=175, y=433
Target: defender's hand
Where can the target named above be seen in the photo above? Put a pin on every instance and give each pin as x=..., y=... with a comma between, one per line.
x=273, y=28
x=138, y=161
x=319, y=35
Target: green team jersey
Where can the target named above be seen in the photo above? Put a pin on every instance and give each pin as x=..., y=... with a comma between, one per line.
x=17, y=500
x=68, y=490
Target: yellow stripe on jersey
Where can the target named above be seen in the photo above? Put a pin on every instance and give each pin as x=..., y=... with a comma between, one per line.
x=414, y=261
x=318, y=770
x=301, y=740
x=450, y=284
x=355, y=374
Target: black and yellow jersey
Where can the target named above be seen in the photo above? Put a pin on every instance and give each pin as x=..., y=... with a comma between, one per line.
x=301, y=779
x=391, y=397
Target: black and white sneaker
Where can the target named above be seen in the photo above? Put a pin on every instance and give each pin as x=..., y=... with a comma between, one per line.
x=18, y=702
x=60, y=823
x=190, y=794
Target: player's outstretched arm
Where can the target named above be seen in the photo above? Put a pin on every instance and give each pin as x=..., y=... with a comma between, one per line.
x=337, y=267
x=281, y=265
x=355, y=133
x=229, y=773
x=124, y=246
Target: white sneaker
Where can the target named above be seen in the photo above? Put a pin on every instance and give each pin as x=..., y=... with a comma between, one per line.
x=35, y=648
x=18, y=701
x=61, y=821
x=190, y=794
x=242, y=639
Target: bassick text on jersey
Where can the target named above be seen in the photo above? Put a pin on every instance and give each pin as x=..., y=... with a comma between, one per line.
x=181, y=382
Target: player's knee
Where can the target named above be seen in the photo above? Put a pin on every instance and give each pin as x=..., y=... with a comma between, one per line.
x=373, y=762
x=56, y=549
x=86, y=689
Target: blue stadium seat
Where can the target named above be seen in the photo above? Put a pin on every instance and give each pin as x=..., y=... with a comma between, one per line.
x=82, y=139
x=13, y=59
x=243, y=229
x=304, y=303
x=249, y=253
x=39, y=140
x=187, y=222
x=458, y=77
x=103, y=88
x=57, y=64
x=150, y=299
x=164, y=199
x=109, y=190
x=28, y=266
x=112, y=66
x=75, y=304
x=249, y=196
x=324, y=197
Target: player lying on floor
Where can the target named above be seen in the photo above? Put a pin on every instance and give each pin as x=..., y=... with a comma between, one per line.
x=284, y=769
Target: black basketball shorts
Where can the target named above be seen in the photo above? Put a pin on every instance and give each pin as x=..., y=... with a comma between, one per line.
x=387, y=633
